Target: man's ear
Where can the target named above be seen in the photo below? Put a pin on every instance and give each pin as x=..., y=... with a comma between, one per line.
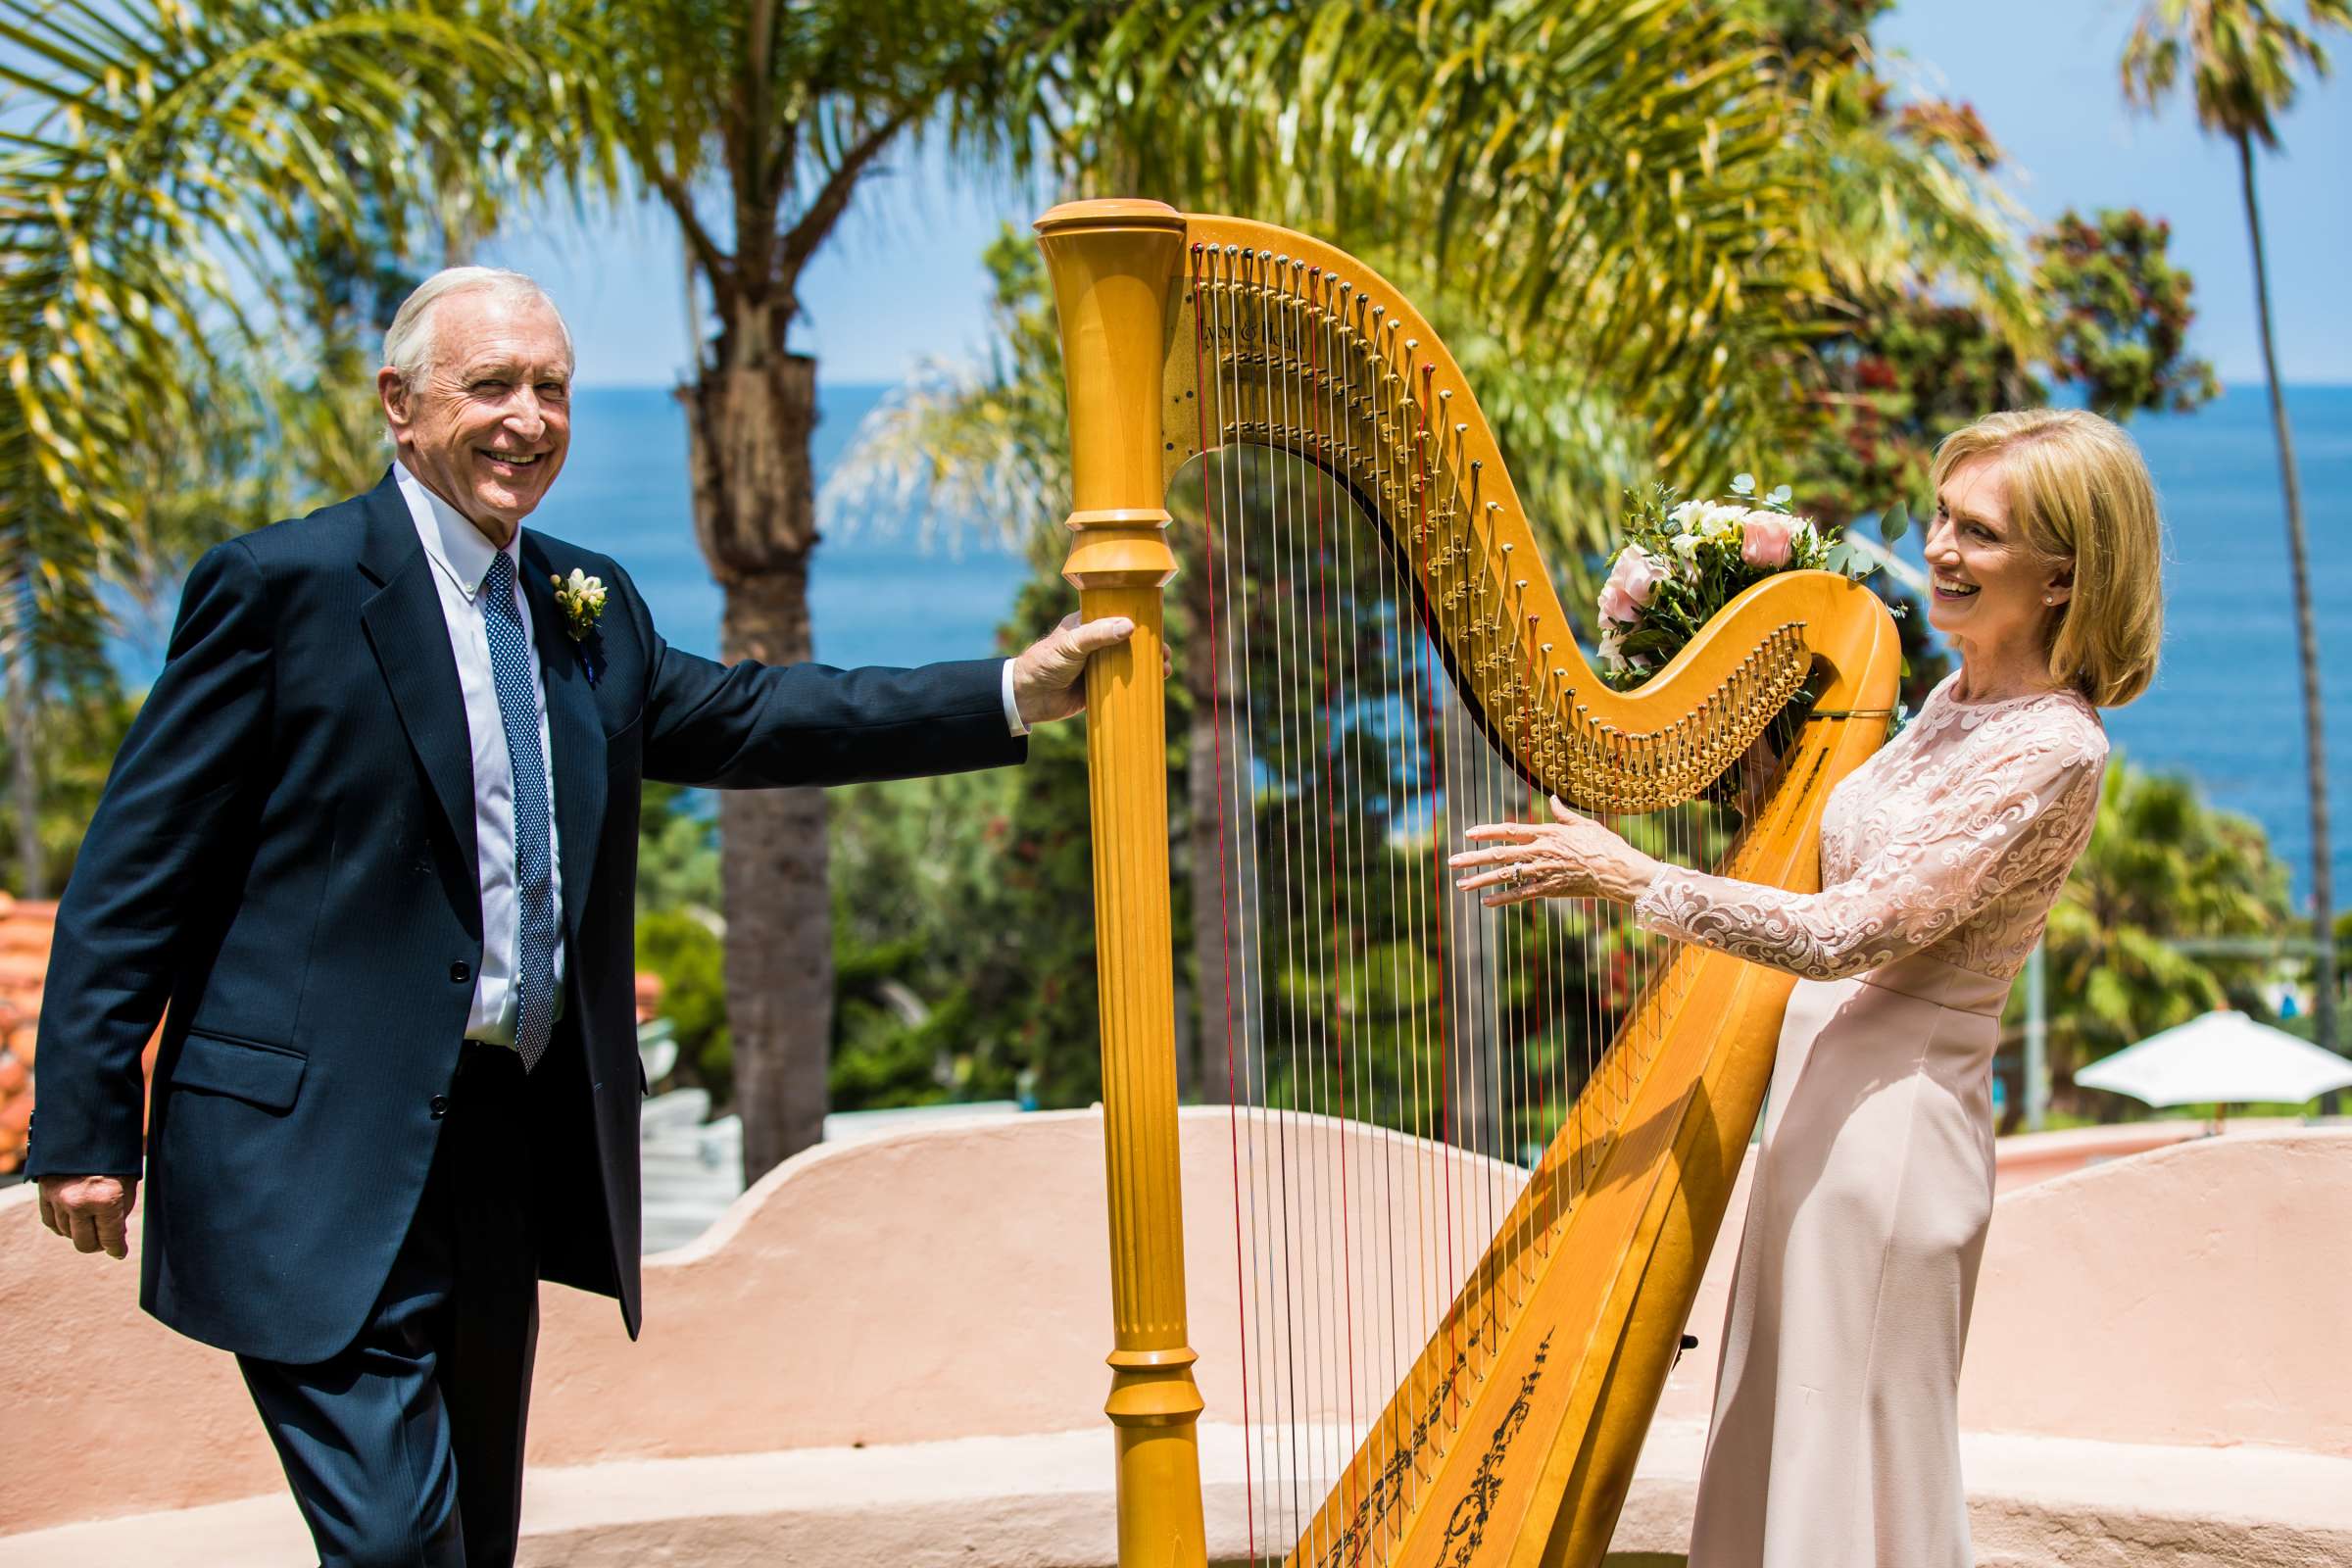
x=392, y=390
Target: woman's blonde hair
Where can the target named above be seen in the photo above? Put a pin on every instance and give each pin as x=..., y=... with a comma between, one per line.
x=2079, y=491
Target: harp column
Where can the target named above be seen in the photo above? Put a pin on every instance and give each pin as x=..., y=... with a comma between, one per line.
x=1113, y=266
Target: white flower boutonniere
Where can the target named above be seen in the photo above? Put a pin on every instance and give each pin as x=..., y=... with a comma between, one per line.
x=581, y=598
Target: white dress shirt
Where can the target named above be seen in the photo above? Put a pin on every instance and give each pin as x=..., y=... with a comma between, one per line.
x=460, y=557
x=1013, y=709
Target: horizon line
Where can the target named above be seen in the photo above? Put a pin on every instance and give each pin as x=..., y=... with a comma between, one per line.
x=885, y=386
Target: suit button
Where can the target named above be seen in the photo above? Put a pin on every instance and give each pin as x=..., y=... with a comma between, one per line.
x=460, y=973
x=438, y=1106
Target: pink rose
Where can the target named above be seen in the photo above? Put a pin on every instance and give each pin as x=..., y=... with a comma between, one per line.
x=1633, y=582
x=1764, y=538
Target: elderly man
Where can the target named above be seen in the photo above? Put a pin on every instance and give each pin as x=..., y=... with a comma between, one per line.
x=373, y=839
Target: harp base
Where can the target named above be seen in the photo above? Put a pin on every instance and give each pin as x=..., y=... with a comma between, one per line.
x=1155, y=1409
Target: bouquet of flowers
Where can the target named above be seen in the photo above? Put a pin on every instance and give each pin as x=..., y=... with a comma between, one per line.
x=1683, y=561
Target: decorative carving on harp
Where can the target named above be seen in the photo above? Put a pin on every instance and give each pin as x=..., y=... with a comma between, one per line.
x=1388, y=631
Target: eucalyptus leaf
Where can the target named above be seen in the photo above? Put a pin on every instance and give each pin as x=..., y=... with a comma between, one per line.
x=1895, y=523
x=1781, y=495
x=1744, y=484
x=1846, y=559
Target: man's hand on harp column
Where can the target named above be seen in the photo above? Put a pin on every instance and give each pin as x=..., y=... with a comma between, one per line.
x=1048, y=677
x=1571, y=857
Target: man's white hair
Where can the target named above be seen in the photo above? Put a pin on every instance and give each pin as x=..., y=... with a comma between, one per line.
x=408, y=341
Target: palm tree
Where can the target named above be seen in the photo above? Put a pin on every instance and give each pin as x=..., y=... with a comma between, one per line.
x=755, y=124
x=160, y=165
x=2242, y=56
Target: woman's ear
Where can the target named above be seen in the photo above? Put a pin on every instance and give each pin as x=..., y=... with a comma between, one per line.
x=2061, y=586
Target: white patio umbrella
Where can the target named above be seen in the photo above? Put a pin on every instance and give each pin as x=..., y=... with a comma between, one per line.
x=2223, y=1058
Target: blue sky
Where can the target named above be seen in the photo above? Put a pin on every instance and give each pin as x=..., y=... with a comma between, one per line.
x=902, y=279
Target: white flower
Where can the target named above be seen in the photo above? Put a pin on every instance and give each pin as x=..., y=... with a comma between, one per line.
x=1720, y=519
x=1612, y=656
x=1681, y=514
x=589, y=591
x=1686, y=545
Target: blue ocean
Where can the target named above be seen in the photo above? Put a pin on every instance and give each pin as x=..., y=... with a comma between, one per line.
x=2227, y=708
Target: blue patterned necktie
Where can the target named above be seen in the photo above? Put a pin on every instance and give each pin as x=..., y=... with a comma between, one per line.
x=534, y=885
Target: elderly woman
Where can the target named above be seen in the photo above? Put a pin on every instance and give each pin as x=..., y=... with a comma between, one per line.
x=1835, y=1434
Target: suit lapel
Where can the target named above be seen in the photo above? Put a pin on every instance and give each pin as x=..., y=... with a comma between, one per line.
x=410, y=635
x=574, y=735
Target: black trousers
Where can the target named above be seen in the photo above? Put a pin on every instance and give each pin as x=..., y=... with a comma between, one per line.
x=405, y=1450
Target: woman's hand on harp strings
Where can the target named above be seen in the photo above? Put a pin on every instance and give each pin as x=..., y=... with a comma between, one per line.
x=1048, y=677
x=1571, y=857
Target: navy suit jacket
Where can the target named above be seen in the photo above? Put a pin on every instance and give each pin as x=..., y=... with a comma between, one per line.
x=284, y=855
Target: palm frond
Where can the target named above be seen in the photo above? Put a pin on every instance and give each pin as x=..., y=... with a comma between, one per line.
x=161, y=164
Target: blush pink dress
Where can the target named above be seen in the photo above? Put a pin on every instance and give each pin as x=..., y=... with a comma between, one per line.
x=1835, y=1441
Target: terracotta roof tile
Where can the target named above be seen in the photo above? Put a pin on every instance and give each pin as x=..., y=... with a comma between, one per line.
x=25, y=929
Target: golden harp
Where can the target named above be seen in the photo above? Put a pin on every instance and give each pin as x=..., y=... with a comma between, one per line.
x=1509, y=1435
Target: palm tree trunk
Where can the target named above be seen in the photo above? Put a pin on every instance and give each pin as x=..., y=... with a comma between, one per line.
x=755, y=513
x=2323, y=900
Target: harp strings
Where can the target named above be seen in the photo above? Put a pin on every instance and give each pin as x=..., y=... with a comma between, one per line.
x=1358, y=989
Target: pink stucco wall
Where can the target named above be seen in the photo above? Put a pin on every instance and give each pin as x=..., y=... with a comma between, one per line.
x=2198, y=1294
x=952, y=1282
x=2194, y=1294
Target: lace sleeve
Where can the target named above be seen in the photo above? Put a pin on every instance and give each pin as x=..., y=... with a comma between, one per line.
x=2013, y=807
